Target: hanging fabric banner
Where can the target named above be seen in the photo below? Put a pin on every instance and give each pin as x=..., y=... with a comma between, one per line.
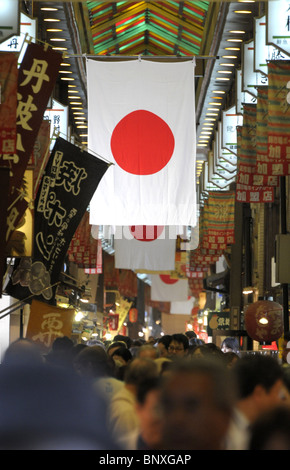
x=36, y=79
x=145, y=247
x=145, y=125
x=40, y=154
x=278, y=161
x=4, y=184
x=261, y=176
x=219, y=213
x=8, y=103
x=70, y=179
x=168, y=289
x=248, y=189
x=83, y=249
x=46, y=323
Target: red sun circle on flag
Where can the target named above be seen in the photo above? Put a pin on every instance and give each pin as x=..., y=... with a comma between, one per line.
x=167, y=279
x=142, y=143
x=146, y=233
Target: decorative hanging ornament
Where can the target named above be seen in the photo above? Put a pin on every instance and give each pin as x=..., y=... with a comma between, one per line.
x=133, y=315
x=264, y=321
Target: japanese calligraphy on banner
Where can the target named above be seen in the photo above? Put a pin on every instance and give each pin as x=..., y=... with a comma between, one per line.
x=8, y=106
x=4, y=184
x=70, y=179
x=36, y=78
x=19, y=234
x=219, y=215
x=278, y=156
x=249, y=185
x=46, y=323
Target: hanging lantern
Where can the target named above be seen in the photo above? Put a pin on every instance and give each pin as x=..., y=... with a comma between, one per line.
x=264, y=321
x=133, y=315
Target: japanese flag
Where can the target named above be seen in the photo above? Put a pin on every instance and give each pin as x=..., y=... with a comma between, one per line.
x=141, y=118
x=145, y=247
x=168, y=289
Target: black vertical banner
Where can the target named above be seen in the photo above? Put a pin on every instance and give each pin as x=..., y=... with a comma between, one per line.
x=70, y=180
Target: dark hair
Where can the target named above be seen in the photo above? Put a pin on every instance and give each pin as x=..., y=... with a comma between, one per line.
x=124, y=338
x=272, y=430
x=191, y=334
x=254, y=370
x=231, y=343
x=166, y=339
x=124, y=353
x=181, y=338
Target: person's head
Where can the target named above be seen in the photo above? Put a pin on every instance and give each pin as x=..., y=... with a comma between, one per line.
x=190, y=334
x=140, y=369
x=114, y=346
x=260, y=383
x=43, y=407
x=92, y=362
x=125, y=339
x=23, y=351
x=163, y=344
x=286, y=348
x=122, y=356
x=148, y=350
x=271, y=431
x=197, y=400
x=178, y=346
x=149, y=413
x=230, y=344
x=230, y=358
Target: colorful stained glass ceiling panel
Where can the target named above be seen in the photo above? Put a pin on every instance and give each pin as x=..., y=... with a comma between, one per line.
x=149, y=28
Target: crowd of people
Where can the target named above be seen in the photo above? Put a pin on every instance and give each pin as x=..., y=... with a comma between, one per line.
x=169, y=393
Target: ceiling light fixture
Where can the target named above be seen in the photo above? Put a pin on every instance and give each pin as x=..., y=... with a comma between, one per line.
x=219, y=91
x=222, y=79
x=52, y=20
x=54, y=30
x=235, y=40
x=237, y=31
x=229, y=56
x=232, y=49
x=243, y=12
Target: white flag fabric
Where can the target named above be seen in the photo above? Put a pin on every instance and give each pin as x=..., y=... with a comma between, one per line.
x=145, y=247
x=141, y=118
x=165, y=288
x=183, y=307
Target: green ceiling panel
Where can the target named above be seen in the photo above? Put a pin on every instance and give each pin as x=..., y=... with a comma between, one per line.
x=170, y=28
